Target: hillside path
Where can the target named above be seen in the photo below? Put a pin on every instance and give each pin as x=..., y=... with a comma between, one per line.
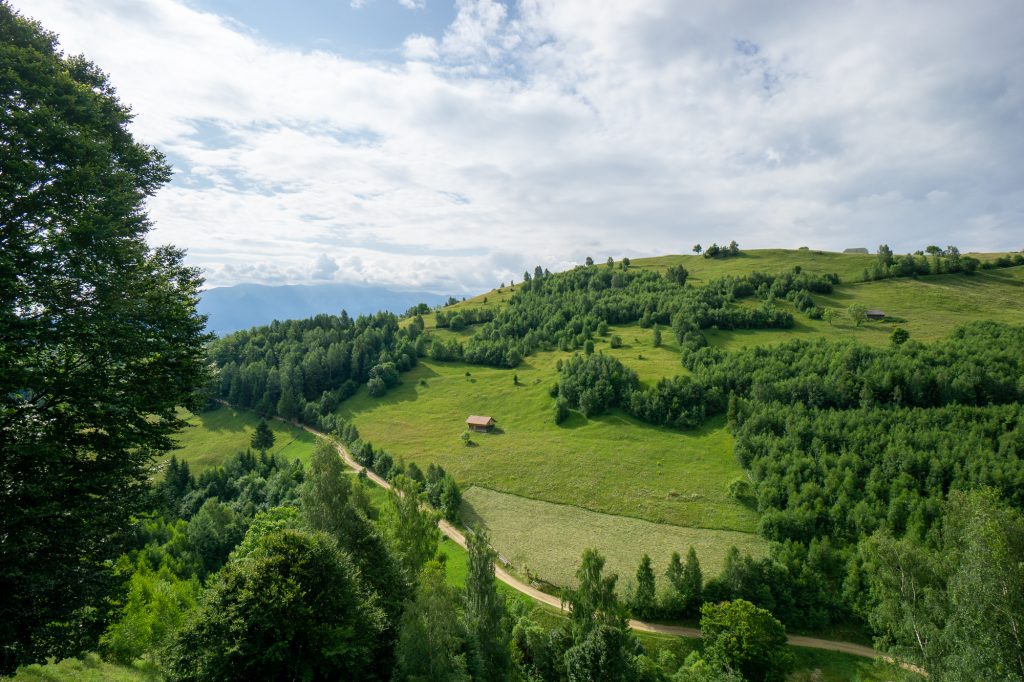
x=677, y=630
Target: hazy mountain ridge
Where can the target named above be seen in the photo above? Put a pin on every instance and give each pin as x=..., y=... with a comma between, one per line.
x=247, y=305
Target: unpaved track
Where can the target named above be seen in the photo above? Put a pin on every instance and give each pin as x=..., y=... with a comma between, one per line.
x=677, y=630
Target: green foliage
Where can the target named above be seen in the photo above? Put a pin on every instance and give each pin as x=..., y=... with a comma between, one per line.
x=432, y=643
x=857, y=313
x=904, y=599
x=956, y=607
x=615, y=341
x=101, y=341
x=302, y=369
x=741, y=489
x=938, y=261
x=156, y=605
x=739, y=636
x=376, y=387
x=409, y=528
x=656, y=337
x=594, y=601
x=485, y=614
x=677, y=274
x=294, y=608
x=685, y=586
x=984, y=543
x=595, y=383
x=645, y=598
x=899, y=336
x=263, y=438
x=604, y=653
x=326, y=506
x=212, y=533
x=561, y=410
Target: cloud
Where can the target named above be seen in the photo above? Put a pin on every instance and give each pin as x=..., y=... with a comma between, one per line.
x=544, y=132
x=324, y=267
x=413, y=4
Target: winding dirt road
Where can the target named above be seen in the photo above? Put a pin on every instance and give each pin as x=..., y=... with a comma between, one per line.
x=677, y=630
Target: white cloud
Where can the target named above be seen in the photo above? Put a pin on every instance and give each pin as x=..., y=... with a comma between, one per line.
x=413, y=4
x=324, y=267
x=571, y=128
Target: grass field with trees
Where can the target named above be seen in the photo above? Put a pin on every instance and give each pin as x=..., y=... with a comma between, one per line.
x=212, y=435
x=547, y=538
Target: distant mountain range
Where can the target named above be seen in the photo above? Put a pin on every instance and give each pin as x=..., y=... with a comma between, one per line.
x=248, y=305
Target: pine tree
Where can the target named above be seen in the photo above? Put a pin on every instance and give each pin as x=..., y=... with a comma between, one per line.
x=263, y=438
x=644, y=600
x=692, y=583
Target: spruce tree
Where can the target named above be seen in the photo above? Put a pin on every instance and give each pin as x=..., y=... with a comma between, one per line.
x=263, y=438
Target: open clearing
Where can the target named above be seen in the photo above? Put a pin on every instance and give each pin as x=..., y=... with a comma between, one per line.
x=612, y=463
x=217, y=434
x=550, y=538
x=928, y=307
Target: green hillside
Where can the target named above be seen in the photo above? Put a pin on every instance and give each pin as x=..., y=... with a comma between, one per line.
x=213, y=436
x=614, y=464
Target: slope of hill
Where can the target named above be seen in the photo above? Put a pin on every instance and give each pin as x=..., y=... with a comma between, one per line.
x=653, y=466
x=247, y=305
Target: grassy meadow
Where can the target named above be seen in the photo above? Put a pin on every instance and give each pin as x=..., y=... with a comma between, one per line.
x=612, y=463
x=213, y=436
x=928, y=307
x=549, y=538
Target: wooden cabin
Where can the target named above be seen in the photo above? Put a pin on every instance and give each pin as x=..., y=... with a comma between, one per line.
x=479, y=423
x=875, y=314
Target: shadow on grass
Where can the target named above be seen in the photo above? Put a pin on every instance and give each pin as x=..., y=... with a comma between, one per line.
x=575, y=420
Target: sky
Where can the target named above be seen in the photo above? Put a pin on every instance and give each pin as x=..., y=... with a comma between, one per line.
x=421, y=144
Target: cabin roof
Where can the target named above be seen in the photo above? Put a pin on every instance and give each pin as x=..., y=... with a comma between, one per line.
x=479, y=420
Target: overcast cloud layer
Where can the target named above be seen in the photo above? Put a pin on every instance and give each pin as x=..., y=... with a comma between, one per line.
x=555, y=129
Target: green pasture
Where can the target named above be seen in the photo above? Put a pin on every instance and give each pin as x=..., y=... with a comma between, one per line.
x=849, y=267
x=928, y=307
x=548, y=539
x=612, y=463
x=213, y=436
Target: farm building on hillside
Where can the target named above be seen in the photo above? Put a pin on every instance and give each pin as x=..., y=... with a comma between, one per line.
x=875, y=314
x=479, y=423
x=860, y=249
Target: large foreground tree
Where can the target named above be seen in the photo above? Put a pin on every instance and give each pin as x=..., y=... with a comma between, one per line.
x=99, y=340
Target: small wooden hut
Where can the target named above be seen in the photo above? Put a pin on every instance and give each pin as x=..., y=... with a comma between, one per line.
x=480, y=424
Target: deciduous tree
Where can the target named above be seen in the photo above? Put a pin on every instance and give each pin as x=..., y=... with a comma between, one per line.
x=739, y=636
x=100, y=341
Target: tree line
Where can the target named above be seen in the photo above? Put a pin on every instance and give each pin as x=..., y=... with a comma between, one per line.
x=932, y=260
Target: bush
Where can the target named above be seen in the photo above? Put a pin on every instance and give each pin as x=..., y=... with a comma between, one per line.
x=615, y=341
x=376, y=387
x=741, y=489
x=561, y=410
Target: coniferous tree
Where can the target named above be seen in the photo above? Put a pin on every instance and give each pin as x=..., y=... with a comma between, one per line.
x=645, y=597
x=691, y=584
x=263, y=438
